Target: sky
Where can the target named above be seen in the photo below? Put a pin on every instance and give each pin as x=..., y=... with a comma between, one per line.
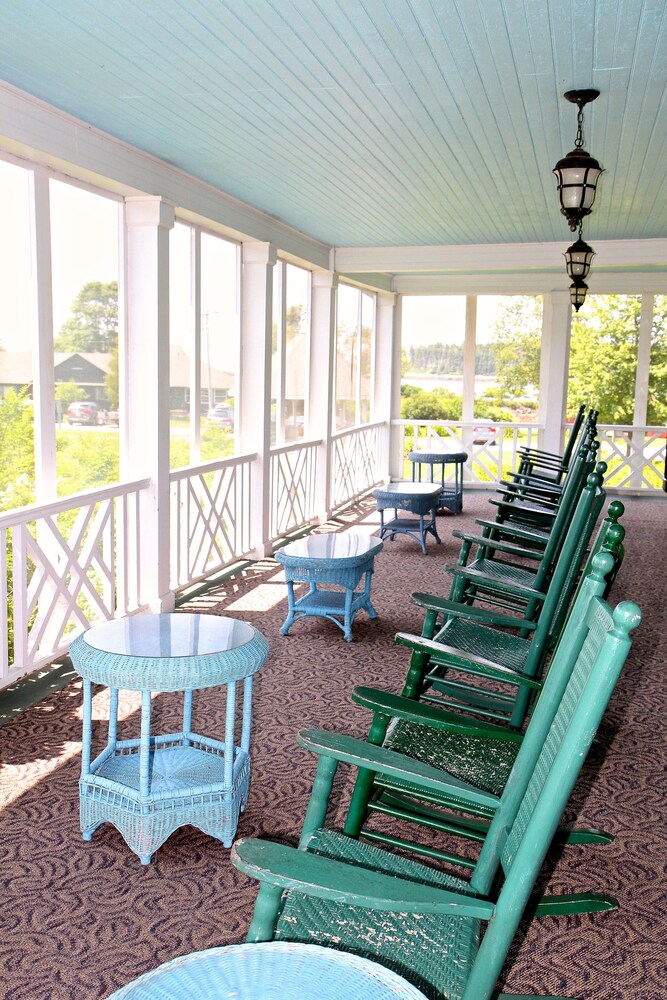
x=84, y=231
x=433, y=319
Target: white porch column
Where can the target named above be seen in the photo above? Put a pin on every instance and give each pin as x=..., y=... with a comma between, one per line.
x=640, y=415
x=321, y=381
x=393, y=390
x=469, y=352
x=554, y=367
x=42, y=348
x=255, y=384
x=145, y=386
x=387, y=384
x=643, y=361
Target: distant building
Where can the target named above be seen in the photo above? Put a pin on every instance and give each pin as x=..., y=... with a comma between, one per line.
x=89, y=371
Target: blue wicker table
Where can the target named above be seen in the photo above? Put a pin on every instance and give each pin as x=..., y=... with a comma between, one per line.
x=339, y=559
x=281, y=970
x=416, y=498
x=149, y=786
x=451, y=493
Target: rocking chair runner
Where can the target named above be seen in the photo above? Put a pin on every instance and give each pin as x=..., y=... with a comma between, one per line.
x=425, y=924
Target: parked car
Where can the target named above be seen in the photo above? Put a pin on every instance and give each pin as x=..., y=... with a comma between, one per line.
x=221, y=414
x=484, y=434
x=86, y=412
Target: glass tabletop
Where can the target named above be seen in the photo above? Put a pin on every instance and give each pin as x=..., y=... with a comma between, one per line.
x=169, y=635
x=410, y=489
x=337, y=545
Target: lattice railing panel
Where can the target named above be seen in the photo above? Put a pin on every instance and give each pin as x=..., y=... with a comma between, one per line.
x=64, y=566
x=355, y=463
x=293, y=502
x=635, y=457
x=210, y=519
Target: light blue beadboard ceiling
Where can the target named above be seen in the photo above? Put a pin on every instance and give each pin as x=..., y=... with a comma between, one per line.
x=370, y=122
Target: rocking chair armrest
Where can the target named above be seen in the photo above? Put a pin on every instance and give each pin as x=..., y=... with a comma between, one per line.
x=338, y=881
x=521, y=531
x=511, y=507
x=469, y=612
x=466, y=662
x=515, y=590
x=359, y=753
x=398, y=707
x=538, y=454
x=524, y=482
x=515, y=495
x=500, y=546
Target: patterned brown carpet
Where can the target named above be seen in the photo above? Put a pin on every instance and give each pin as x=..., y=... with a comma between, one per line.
x=79, y=920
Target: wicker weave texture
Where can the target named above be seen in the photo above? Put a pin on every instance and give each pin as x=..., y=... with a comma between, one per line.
x=485, y=763
x=279, y=970
x=434, y=952
x=187, y=788
x=174, y=673
x=601, y=623
x=489, y=643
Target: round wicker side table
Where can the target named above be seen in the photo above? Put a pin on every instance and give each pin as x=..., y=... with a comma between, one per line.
x=149, y=786
x=451, y=495
x=281, y=970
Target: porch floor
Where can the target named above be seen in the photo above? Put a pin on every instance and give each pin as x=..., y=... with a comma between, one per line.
x=79, y=920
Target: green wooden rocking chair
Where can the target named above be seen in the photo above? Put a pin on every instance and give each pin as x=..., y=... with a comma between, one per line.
x=468, y=750
x=340, y=892
x=498, y=573
x=495, y=640
x=536, y=502
x=552, y=466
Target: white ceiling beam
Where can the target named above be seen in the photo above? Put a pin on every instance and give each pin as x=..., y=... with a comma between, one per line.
x=526, y=283
x=496, y=257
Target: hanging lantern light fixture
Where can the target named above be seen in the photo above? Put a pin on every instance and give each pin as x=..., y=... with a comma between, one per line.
x=578, y=290
x=578, y=172
x=578, y=259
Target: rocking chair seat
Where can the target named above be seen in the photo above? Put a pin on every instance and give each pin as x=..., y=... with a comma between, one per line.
x=484, y=763
x=431, y=950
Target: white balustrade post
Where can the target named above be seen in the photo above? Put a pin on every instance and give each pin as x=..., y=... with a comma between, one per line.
x=255, y=384
x=392, y=389
x=468, y=408
x=145, y=387
x=322, y=383
x=640, y=415
x=387, y=388
x=554, y=366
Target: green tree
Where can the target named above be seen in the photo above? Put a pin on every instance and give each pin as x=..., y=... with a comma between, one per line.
x=69, y=392
x=603, y=358
x=93, y=323
x=437, y=405
x=516, y=343
x=17, y=462
x=111, y=379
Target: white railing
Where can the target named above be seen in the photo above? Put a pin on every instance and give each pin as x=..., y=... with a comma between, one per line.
x=356, y=461
x=64, y=565
x=210, y=518
x=293, y=499
x=635, y=457
x=491, y=447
